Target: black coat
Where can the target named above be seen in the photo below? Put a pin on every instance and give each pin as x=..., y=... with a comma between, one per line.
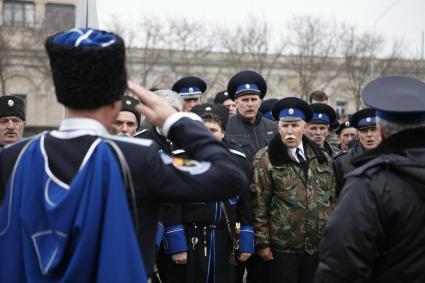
x=155, y=179
x=377, y=232
x=343, y=165
x=250, y=138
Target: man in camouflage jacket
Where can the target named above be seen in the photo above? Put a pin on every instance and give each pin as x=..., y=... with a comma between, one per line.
x=293, y=184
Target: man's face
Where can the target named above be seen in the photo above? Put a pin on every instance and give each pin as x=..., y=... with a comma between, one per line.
x=125, y=124
x=318, y=133
x=231, y=105
x=11, y=129
x=188, y=103
x=346, y=136
x=215, y=129
x=248, y=106
x=292, y=132
x=369, y=137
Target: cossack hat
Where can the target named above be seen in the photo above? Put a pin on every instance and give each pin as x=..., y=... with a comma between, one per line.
x=221, y=96
x=292, y=109
x=129, y=103
x=219, y=112
x=322, y=114
x=247, y=82
x=88, y=67
x=343, y=126
x=266, y=108
x=12, y=106
x=190, y=87
x=364, y=118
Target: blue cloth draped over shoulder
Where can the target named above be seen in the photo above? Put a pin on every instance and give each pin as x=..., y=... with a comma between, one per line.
x=54, y=232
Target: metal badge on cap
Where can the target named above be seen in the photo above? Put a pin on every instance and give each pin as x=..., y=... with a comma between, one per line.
x=247, y=86
x=291, y=111
x=347, y=124
x=208, y=108
x=191, y=89
x=128, y=102
x=10, y=102
x=368, y=119
x=320, y=116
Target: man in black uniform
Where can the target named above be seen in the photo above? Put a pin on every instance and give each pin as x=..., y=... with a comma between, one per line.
x=128, y=120
x=248, y=130
x=88, y=68
x=223, y=97
x=346, y=134
x=376, y=233
x=369, y=137
x=201, y=237
x=318, y=127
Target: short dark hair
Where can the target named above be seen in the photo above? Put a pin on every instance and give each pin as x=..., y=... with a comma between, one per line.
x=318, y=95
x=211, y=118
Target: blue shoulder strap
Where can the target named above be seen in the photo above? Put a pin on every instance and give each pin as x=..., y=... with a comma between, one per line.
x=51, y=231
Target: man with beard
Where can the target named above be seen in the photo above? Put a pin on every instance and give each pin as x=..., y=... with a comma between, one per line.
x=191, y=89
x=318, y=127
x=368, y=138
x=12, y=119
x=376, y=233
x=293, y=184
x=128, y=120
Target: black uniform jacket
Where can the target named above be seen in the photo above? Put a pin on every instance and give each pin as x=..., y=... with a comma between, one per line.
x=343, y=166
x=377, y=232
x=156, y=177
x=250, y=137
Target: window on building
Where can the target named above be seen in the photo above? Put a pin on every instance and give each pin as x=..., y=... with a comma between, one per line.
x=341, y=107
x=59, y=17
x=18, y=14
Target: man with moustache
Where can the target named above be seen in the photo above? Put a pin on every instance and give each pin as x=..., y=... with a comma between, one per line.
x=318, y=127
x=248, y=129
x=293, y=184
x=128, y=120
x=12, y=119
x=368, y=138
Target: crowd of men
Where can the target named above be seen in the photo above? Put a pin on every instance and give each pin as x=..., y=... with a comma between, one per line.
x=162, y=186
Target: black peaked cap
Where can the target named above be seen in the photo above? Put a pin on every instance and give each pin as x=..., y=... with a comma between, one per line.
x=246, y=77
x=218, y=111
x=292, y=102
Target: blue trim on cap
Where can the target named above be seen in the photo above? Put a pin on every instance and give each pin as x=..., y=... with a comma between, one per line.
x=246, y=240
x=324, y=118
x=186, y=90
x=176, y=240
x=365, y=123
x=247, y=86
x=402, y=118
x=268, y=115
x=159, y=235
x=84, y=37
x=295, y=113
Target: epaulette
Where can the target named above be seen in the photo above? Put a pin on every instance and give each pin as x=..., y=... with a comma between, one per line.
x=237, y=152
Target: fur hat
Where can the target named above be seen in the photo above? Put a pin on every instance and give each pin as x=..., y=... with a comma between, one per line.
x=12, y=106
x=88, y=67
x=129, y=104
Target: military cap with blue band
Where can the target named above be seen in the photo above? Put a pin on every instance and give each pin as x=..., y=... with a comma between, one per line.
x=322, y=114
x=267, y=106
x=190, y=87
x=88, y=67
x=245, y=83
x=364, y=118
x=292, y=109
x=397, y=99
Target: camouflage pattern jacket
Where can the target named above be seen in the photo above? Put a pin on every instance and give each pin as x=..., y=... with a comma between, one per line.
x=290, y=207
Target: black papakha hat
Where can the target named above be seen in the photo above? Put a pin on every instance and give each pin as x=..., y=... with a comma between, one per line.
x=12, y=106
x=247, y=82
x=343, y=126
x=190, y=87
x=88, y=67
x=129, y=103
x=218, y=112
x=221, y=96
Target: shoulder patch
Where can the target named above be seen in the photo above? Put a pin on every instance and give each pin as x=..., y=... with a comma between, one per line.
x=237, y=152
x=187, y=165
x=139, y=141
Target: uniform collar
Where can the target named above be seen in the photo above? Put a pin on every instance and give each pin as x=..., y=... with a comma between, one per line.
x=80, y=126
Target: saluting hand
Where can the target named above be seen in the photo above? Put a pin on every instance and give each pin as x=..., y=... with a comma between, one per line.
x=153, y=107
x=266, y=254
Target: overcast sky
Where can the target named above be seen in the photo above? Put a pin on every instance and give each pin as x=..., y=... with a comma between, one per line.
x=402, y=19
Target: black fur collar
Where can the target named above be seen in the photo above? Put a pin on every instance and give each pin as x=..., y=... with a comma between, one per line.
x=278, y=151
x=408, y=139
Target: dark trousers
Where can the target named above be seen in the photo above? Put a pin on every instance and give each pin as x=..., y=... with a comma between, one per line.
x=292, y=268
